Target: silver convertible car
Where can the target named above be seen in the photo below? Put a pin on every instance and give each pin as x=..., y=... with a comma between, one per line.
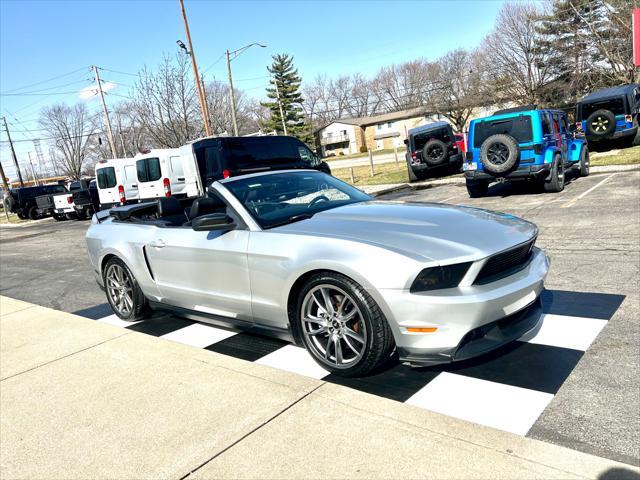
x=306, y=257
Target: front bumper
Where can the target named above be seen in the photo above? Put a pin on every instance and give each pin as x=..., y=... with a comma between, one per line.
x=453, y=160
x=469, y=320
x=522, y=172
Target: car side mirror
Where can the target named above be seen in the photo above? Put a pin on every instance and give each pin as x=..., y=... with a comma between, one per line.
x=213, y=221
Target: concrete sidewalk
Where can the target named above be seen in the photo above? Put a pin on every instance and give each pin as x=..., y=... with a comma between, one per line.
x=81, y=399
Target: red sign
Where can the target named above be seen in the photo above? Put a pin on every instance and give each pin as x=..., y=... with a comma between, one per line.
x=636, y=37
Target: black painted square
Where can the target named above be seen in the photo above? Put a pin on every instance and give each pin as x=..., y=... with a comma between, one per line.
x=95, y=313
x=247, y=346
x=581, y=304
x=160, y=325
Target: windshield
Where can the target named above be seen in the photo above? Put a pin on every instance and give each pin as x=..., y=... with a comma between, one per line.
x=518, y=127
x=282, y=198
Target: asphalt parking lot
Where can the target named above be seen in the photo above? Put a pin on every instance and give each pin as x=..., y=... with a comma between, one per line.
x=591, y=231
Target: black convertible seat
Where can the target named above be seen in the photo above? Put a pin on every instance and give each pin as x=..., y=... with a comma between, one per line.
x=170, y=211
x=205, y=206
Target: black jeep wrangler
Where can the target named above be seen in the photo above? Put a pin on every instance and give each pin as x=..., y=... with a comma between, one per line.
x=430, y=147
x=22, y=201
x=610, y=113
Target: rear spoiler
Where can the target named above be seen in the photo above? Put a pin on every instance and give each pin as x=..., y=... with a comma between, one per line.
x=102, y=215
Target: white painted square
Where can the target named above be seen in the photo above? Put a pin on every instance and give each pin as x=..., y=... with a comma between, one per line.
x=115, y=321
x=563, y=331
x=199, y=335
x=294, y=359
x=508, y=408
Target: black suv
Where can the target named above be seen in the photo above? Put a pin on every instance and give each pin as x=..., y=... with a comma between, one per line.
x=430, y=147
x=610, y=113
x=221, y=157
x=22, y=201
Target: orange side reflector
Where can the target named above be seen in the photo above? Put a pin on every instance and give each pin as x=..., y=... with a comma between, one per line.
x=421, y=330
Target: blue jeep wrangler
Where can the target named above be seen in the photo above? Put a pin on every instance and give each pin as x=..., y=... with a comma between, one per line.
x=610, y=113
x=523, y=143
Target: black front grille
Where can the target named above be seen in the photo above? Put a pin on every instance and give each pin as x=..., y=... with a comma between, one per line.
x=505, y=263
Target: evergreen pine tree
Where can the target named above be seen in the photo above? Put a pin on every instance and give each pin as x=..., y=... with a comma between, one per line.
x=566, y=38
x=285, y=77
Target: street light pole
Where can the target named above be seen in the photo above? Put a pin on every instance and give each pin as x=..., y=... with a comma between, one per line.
x=205, y=118
x=284, y=123
x=232, y=97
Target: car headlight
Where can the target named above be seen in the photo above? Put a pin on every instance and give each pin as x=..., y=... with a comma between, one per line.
x=436, y=278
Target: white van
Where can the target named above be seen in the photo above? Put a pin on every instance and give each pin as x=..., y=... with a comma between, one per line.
x=117, y=182
x=160, y=173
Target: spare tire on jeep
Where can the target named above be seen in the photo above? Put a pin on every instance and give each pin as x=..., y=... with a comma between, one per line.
x=601, y=123
x=499, y=153
x=434, y=152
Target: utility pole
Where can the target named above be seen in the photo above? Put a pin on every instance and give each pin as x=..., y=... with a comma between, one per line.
x=206, y=104
x=7, y=191
x=205, y=118
x=284, y=124
x=112, y=144
x=13, y=152
x=232, y=97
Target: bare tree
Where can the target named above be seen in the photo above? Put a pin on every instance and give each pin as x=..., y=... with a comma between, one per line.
x=165, y=103
x=72, y=127
x=220, y=109
x=459, y=81
x=519, y=66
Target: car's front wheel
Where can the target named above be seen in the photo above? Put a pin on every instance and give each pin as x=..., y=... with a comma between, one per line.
x=342, y=326
x=123, y=292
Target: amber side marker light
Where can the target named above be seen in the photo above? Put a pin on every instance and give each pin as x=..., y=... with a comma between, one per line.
x=421, y=330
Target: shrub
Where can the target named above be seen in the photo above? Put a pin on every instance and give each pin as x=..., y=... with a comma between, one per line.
x=363, y=149
x=341, y=154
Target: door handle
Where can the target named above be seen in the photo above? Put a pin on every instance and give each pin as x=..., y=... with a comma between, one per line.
x=135, y=185
x=158, y=243
x=181, y=179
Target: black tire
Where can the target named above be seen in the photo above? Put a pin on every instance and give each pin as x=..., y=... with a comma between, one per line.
x=584, y=162
x=21, y=215
x=414, y=176
x=379, y=343
x=499, y=153
x=435, y=152
x=140, y=308
x=81, y=214
x=33, y=213
x=555, y=183
x=9, y=203
x=57, y=217
x=477, y=188
x=601, y=123
x=70, y=216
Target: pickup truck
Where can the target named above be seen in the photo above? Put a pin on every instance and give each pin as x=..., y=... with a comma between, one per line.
x=63, y=204
x=86, y=201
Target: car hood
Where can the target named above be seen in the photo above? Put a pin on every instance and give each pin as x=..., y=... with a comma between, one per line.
x=424, y=231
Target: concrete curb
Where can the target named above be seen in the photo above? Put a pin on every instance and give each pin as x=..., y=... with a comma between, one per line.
x=24, y=224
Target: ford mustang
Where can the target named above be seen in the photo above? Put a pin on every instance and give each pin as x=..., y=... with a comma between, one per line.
x=303, y=256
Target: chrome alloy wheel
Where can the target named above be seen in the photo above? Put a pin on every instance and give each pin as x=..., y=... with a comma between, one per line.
x=120, y=289
x=333, y=326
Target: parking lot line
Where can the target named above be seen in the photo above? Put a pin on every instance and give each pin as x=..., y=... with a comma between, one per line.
x=584, y=194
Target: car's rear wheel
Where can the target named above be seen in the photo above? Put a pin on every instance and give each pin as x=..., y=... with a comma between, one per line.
x=58, y=217
x=413, y=175
x=342, y=327
x=33, y=213
x=123, y=292
x=21, y=216
x=555, y=182
x=584, y=162
x=477, y=188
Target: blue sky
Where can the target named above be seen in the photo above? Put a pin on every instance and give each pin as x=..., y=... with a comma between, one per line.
x=43, y=39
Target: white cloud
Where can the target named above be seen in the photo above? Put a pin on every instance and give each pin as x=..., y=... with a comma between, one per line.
x=87, y=93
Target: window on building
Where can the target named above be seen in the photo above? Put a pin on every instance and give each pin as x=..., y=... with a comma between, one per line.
x=389, y=124
x=379, y=126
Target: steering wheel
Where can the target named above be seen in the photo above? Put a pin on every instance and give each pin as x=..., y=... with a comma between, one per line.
x=321, y=198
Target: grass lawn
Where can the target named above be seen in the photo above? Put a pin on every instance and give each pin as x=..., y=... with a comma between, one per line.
x=401, y=151
x=387, y=173
x=623, y=157
x=13, y=218
x=384, y=173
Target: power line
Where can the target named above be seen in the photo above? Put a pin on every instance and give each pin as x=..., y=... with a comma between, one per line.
x=46, y=81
